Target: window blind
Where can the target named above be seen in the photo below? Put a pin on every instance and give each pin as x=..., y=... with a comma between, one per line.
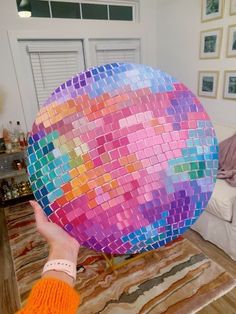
x=53, y=65
x=117, y=53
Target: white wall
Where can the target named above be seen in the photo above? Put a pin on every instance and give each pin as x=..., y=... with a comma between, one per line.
x=170, y=34
x=13, y=27
x=178, y=38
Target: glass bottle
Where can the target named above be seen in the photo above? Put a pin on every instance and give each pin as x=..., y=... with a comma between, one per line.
x=14, y=138
x=7, y=135
x=20, y=135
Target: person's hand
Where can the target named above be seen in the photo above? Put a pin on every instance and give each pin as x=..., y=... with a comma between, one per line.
x=61, y=244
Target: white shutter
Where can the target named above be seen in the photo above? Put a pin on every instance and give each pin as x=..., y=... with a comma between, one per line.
x=109, y=56
x=109, y=51
x=53, y=65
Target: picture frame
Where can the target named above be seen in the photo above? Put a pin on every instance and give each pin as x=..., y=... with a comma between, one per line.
x=212, y=10
x=230, y=85
x=208, y=83
x=231, y=43
x=232, y=8
x=210, y=43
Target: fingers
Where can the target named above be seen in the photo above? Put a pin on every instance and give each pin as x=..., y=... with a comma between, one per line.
x=39, y=213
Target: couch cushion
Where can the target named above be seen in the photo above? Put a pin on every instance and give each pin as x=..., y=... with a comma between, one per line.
x=221, y=202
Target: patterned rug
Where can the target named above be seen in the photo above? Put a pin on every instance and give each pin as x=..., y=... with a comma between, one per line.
x=177, y=278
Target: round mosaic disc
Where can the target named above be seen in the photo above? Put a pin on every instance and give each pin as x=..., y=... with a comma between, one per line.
x=123, y=157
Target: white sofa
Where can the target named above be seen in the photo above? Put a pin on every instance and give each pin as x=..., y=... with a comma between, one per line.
x=217, y=223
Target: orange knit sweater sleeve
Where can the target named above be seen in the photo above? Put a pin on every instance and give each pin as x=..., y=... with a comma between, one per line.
x=50, y=295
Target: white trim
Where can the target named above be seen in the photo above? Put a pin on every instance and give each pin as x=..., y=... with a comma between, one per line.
x=50, y=8
x=87, y=61
x=81, y=11
x=108, y=13
x=15, y=61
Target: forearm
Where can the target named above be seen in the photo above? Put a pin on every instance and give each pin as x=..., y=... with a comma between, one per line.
x=54, y=292
x=69, y=254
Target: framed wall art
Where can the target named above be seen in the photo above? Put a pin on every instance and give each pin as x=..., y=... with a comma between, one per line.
x=212, y=9
x=232, y=8
x=210, y=43
x=231, y=44
x=230, y=85
x=208, y=83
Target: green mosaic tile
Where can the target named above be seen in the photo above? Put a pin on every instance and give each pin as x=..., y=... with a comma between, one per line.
x=178, y=169
x=39, y=183
x=194, y=166
x=200, y=174
x=39, y=154
x=186, y=167
x=193, y=175
x=202, y=165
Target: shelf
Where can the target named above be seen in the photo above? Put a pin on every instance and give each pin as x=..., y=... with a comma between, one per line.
x=12, y=173
x=18, y=200
x=2, y=154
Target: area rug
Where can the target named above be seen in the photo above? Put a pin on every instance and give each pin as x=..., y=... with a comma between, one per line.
x=178, y=278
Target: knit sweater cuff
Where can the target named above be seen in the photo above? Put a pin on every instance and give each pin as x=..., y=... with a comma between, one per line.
x=53, y=294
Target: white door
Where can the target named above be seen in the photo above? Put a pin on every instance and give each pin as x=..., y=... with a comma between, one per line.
x=45, y=65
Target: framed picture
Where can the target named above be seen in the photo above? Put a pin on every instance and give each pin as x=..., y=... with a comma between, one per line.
x=212, y=9
x=230, y=85
x=208, y=83
x=210, y=43
x=232, y=9
x=231, y=45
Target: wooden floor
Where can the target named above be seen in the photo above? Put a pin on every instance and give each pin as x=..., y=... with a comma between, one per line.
x=9, y=302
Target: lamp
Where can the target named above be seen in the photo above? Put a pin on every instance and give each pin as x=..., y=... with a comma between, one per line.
x=24, y=8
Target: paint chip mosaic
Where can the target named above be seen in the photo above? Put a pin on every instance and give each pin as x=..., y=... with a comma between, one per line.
x=123, y=157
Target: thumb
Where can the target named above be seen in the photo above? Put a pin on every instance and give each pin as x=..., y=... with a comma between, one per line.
x=40, y=216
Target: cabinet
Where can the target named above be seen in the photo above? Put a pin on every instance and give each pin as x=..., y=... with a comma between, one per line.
x=14, y=184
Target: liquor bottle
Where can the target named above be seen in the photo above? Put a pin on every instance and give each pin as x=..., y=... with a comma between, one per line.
x=2, y=141
x=14, y=139
x=20, y=135
x=7, y=136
